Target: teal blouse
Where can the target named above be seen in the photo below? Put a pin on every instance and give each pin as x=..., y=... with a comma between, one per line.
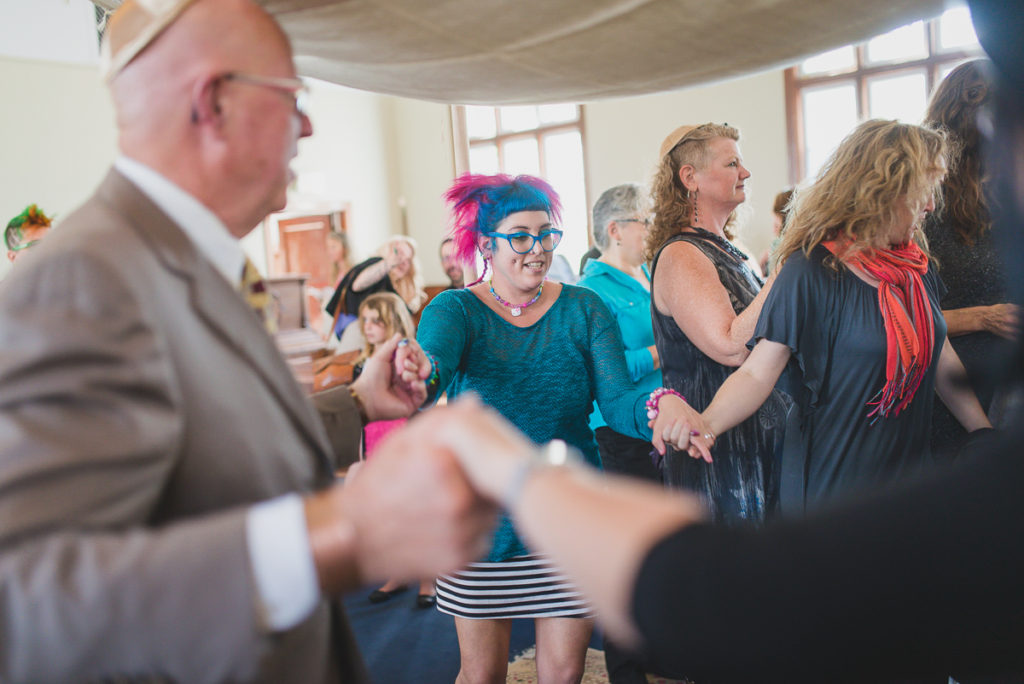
x=630, y=304
x=543, y=378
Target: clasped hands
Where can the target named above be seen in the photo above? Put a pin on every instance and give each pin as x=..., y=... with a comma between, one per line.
x=424, y=505
x=678, y=424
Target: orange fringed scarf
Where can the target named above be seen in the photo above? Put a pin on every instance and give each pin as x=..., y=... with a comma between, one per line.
x=907, y=315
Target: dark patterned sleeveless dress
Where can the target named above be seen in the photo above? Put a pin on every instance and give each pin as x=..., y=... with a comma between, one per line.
x=741, y=484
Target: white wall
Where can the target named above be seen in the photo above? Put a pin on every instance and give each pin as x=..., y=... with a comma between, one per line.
x=51, y=30
x=426, y=166
x=57, y=135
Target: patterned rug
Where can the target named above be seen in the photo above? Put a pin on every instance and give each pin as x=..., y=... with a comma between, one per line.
x=523, y=670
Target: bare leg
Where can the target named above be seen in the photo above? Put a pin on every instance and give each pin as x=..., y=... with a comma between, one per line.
x=390, y=585
x=387, y=592
x=483, y=650
x=426, y=598
x=562, y=649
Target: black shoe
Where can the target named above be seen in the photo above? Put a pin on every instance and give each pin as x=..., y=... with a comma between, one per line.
x=426, y=601
x=378, y=596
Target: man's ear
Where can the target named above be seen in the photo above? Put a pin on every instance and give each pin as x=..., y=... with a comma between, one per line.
x=206, y=101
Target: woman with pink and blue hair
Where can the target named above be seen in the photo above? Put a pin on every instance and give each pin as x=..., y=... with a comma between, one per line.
x=540, y=352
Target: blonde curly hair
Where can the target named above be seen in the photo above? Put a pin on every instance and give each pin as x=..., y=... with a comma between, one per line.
x=874, y=173
x=673, y=206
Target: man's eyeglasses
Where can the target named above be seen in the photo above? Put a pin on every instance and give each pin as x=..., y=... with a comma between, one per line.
x=522, y=243
x=293, y=87
x=645, y=221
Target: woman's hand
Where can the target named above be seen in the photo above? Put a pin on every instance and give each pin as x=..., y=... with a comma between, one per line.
x=413, y=368
x=1001, y=319
x=678, y=424
x=392, y=258
x=397, y=260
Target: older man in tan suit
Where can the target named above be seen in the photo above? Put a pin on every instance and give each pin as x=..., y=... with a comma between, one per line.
x=166, y=510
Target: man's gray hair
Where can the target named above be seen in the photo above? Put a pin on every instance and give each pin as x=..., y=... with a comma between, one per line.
x=628, y=200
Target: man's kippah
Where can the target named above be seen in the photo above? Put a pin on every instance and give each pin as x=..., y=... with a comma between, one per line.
x=133, y=26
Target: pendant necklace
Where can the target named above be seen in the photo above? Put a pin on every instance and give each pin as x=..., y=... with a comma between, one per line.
x=515, y=309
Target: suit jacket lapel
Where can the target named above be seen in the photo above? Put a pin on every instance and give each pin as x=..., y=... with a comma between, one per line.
x=218, y=305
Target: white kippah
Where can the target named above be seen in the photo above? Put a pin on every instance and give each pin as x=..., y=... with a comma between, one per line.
x=133, y=26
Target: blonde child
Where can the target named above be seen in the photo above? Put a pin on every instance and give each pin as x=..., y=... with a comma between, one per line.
x=382, y=315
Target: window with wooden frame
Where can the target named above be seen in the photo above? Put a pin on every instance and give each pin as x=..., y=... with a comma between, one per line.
x=541, y=140
x=890, y=76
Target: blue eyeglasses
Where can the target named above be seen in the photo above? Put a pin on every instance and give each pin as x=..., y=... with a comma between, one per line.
x=522, y=243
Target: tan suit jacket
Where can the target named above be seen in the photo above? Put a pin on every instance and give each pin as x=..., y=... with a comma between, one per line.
x=143, y=409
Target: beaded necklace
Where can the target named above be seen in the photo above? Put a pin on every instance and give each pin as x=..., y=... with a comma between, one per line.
x=726, y=246
x=515, y=309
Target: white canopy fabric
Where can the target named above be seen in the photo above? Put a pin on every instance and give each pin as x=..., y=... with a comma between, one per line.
x=533, y=51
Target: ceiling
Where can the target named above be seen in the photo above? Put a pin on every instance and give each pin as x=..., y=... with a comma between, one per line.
x=534, y=51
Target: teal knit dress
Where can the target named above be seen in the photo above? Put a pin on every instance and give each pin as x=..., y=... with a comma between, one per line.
x=544, y=379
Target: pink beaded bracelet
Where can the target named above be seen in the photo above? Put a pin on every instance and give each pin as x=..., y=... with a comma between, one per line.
x=656, y=395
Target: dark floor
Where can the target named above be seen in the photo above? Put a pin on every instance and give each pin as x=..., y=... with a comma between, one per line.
x=405, y=645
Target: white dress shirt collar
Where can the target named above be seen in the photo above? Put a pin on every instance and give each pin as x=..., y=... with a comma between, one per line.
x=204, y=229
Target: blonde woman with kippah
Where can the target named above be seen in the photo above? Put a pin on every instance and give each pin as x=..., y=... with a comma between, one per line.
x=855, y=314
x=705, y=302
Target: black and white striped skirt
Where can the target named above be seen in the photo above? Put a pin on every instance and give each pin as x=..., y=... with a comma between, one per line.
x=520, y=587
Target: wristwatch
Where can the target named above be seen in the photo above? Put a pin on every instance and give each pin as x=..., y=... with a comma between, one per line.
x=554, y=454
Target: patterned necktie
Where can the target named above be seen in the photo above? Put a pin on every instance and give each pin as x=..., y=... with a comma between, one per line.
x=254, y=289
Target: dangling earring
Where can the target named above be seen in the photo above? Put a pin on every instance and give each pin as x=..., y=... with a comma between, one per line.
x=696, y=214
x=483, y=275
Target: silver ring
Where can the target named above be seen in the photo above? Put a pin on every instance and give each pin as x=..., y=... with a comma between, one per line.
x=708, y=436
x=404, y=342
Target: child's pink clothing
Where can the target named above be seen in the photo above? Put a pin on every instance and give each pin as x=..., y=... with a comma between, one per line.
x=374, y=432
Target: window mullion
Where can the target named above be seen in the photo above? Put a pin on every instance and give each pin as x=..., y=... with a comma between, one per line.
x=542, y=162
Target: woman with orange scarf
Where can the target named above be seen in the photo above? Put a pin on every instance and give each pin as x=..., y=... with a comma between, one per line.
x=855, y=314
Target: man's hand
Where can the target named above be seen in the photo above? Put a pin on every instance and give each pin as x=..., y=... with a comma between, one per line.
x=387, y=394
x=411, y=514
